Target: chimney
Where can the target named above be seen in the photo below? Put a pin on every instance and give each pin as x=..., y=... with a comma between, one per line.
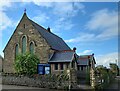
x=48, y=29
x=74, y=49
x=92, y=54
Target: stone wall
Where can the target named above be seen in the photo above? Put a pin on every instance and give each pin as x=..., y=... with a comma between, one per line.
x=53, y=71
x=1, y=60
x=42, y=81
x=92, y=78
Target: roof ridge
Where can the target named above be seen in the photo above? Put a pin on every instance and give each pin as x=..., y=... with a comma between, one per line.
x=84, y=55
x=65, y=51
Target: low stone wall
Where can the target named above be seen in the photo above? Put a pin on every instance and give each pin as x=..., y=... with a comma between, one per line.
x=42, y=81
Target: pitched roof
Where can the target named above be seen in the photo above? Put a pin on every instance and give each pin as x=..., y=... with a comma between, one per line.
x=63, y=56
x=53, y=40
x=85, y=59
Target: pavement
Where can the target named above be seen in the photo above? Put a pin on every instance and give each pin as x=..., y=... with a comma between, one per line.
x=85, y=87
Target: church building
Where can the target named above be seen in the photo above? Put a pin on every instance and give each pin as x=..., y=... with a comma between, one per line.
x=50, y=48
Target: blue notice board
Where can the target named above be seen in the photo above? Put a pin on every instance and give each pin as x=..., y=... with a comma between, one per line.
x=43, y=69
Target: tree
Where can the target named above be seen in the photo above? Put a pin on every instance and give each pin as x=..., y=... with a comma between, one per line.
x=114, y=68
x=103, y=75
x=26, y=64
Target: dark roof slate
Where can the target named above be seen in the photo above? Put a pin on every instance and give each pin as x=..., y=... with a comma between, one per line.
x=62, y=57
x=83, y=61
x=53, y=40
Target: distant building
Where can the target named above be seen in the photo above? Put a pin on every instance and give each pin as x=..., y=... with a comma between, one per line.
x=85, y=64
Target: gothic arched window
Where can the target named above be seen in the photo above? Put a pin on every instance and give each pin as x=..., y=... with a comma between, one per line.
x=16, y=50
x=31, y=47
x=24, y=44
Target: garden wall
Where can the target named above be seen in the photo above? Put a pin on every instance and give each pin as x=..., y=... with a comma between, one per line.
x=42, y=81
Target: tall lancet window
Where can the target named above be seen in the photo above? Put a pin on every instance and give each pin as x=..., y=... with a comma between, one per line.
x=16, y=50
x=24, y=44
x=31, y=48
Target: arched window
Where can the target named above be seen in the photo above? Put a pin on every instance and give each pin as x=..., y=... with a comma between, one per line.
x=16, y=50
x=31, y=47
x=23, y=44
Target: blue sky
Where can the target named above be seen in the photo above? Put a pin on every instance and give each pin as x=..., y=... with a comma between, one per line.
x=90, y=27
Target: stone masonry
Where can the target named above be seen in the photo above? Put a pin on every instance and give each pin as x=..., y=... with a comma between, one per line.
x=41, y=47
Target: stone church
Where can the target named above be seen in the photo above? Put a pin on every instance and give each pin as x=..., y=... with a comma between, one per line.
x=50, y=48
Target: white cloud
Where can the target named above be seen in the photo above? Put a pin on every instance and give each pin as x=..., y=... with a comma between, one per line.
x=100, y=19
x=103, y=25
x=61, y=24
x=82, y=37
x=63, y=11
x=86, y=52
x=43, y=4
x=4, y=4
x=71, y=0
x=4, y=19
x=104, y=21
x=107, y=58
x=37, y=1
x=68, y=9
x=41, y=18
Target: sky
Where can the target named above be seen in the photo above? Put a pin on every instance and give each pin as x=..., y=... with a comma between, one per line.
x=91, y=27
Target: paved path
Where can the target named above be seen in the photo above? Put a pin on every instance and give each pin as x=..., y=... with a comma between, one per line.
x=85, y=87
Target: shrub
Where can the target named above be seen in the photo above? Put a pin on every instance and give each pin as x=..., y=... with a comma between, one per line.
x=26, y=64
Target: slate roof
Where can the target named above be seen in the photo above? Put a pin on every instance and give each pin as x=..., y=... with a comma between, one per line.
x=84, y=60
x=53, y=40
x=62, y=56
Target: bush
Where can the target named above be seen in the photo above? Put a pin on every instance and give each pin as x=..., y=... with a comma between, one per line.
x=26, y=64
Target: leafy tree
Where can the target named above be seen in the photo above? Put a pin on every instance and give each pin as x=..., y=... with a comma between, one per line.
x=103, y=75
x=114, y=68
x=26, y=64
